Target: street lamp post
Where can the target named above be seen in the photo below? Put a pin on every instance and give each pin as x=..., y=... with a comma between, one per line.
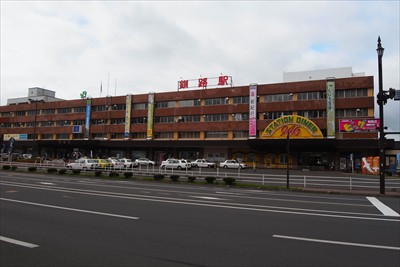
x=380, y=50
x=287, y=160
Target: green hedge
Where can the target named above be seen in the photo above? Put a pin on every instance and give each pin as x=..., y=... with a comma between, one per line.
x=229, y=180
x=51, y=170
x=174, y=178
x=32, y=169
x=158, y=176
x=210, y=180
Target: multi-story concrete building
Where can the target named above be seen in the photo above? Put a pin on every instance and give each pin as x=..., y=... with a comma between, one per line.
x=325, y=120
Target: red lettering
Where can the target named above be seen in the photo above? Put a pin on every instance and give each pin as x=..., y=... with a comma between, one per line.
x=223, y=80
x=183, y=84
x=291, y=130
x=203, y=82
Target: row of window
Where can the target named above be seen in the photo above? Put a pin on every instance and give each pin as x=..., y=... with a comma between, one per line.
x=142, y=135
x=353, y=93
x=310, y=114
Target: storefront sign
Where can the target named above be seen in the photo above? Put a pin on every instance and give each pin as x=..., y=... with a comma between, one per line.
x=150, y=113
x=253, y=111
x=203, y=83
x=128, y=116
x=330, y=108
x=293, y=126
x=356, y=125
x=7, y=137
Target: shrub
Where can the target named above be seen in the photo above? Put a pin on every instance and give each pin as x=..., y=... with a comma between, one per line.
x=174, y=178
x=128, y=175
x=51, y=170
x=32, y=169
x=229, y=180
x=191, y=179
x=158, y=176
x=97, y=173
x=210, y=180
x=76, y=172
x=13, y=168
x=62, y=171
x=6, y=167
x=113, y=174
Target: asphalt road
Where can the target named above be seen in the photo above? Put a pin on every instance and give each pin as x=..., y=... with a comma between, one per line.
x=77, y=221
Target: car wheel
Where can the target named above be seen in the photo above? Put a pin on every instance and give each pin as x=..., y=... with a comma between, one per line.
x=179, y=167
x=226, y=166
x=150, y=164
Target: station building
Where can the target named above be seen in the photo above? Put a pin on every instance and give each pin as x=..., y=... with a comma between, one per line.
x=312, y=120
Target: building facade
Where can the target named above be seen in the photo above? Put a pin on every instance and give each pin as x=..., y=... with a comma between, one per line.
x=257, y=124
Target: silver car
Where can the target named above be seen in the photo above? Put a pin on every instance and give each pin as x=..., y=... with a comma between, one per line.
x=145, y=161
x=175, y=164
x=230, y=163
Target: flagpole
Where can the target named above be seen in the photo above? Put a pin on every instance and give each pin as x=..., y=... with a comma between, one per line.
x=101, y=87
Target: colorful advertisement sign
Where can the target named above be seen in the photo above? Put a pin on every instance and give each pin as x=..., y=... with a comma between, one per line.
x=128, y=116
x=15, y=136
x=293, y=126
x=87, y=124
x=330, y=108
x=370, y=165
x=150, y=113
x=359, y=125
x=252, y=111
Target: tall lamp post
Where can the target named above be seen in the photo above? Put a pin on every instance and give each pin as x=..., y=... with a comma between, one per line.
x=380, y=50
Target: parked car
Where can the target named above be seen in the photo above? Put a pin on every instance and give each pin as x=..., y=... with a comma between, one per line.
x=175, y=164
x=104, y=163
x=203, y=163
x=145, y=161
x=230, y=163
x=128, y=163
x=116, y=163
x=83, y=164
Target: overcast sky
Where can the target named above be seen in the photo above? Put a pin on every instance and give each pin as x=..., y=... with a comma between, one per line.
x=141, y=47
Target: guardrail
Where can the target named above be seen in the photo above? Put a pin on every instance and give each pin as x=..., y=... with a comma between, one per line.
x=349, y=182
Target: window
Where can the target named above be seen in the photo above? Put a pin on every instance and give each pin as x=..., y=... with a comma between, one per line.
x=118, y=121
x=216, y=134
x=79, y=109
x=20, y=113
x=312, y=113
x=352, y=93
x=275, y=115
x=189, y=135
x=119, y=107
x=240, y=117
x=99, y=108
x=48, y=111
x=241, y=100
x=32, y=112
x=64, y=110
x=311, y=95
x=63, y=136
x=240, y=134
x=194, y=118
x=99, y=136
x=165, y=135
x=63, y=123
x=47, y=123
x=139, y=120
x=18, y=124
x=117, y=136
x=139, y=135
x=98, y=121
x=6, y=114
x=166, y=119
x=79, y=122
x=216, y=117
x=166, y=104
x=47, y=136
x=348, y=113
x=216, y=101
x=190, y=103
x=278, y=98
x=140, y=106
x=77, y=135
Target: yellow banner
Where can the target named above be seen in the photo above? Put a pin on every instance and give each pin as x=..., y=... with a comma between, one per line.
x=292, y=125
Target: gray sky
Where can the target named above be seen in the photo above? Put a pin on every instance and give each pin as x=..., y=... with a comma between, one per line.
x=74, y=46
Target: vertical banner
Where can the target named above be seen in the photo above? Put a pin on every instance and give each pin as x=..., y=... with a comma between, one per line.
x=87, y=124
x=330, y=107
x=150, y=113
x=253, y=111
x=128, y=117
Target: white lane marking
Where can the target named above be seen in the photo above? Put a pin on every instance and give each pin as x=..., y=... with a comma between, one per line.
x=46, y=183
x=228, y=193
x=382, y=207
x=71, y=209
x=209, y=198
x=335, y=242
x=17, y=242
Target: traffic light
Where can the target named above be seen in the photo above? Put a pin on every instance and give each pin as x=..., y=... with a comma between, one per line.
x=392, y=93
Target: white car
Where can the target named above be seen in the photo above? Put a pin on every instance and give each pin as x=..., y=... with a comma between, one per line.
x=203, y=163
x=175, y=164
x=145, y=161
x=230, y=163
x=128, y=163
x=83, y=164
x=116, y=163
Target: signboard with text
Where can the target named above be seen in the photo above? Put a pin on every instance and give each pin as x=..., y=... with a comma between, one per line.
x=359, y=125
x=203, y=83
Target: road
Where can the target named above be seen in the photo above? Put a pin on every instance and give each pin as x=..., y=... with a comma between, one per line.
x=76, y=221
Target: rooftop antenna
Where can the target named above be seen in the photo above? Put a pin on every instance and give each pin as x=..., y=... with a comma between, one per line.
x=115, y=90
